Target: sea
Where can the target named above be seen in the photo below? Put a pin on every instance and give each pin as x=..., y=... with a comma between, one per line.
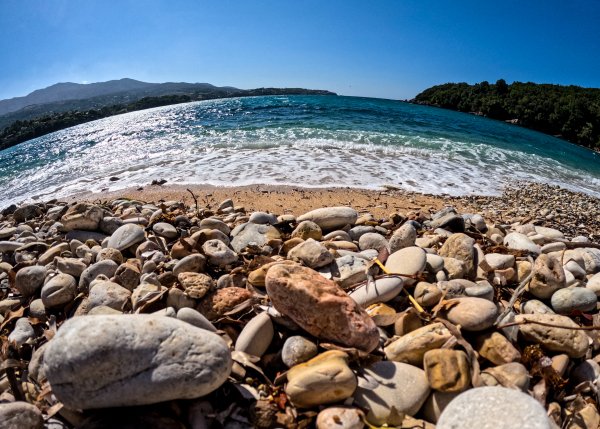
x=311, y=141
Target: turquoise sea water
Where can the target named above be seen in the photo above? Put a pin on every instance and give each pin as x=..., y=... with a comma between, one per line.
x=300, y=140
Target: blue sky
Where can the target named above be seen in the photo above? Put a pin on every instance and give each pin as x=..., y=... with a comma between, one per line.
x=388, y=49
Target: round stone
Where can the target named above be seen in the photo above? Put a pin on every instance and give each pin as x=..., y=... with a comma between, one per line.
x=297, y=350
x=409, y=260
x=564, y=301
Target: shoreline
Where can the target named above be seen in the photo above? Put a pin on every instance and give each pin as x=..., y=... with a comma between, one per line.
x=575, y=213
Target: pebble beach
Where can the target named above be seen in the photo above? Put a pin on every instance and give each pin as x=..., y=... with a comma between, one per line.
x=268, y=306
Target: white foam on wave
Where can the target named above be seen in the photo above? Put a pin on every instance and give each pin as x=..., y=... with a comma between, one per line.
x=157, y=143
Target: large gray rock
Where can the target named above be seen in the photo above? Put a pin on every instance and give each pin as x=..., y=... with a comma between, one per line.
x=517, y=241
x=59, y=291
x=118, y=361
x=399, y=385
x=25, y=212
x=108, y=267
x=494, y=407
x=126, y=236
x=382, y=291
x=409, y=261
x=405, y=236
x=20, y=415
x=564, y=301
x=82, y=216
x=29, y=280
x=218, y=254
x=331, y=218
x=254, y=234
x=312, y=253
x=108, y=294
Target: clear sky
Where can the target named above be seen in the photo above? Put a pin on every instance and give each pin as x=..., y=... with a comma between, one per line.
x=388, y=49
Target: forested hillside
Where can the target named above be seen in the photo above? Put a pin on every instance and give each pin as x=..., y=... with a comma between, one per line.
x=568, y=112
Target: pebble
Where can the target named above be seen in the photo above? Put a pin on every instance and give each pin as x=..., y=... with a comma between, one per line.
x=164, y=229
x=486, y=407
x=411, y=347
x=218, y=254
x=195, y=285
x=331, y=218
x=20, y=415
x=252, y=234
x=447, y=370
x=59, y=291
x=29, y=280
x=325, y=379
x=340, y=418
x=409, y=261
x=494, y=347
x=405, y=236
x=472, y=314
x=482, y=290
x=22, y=332
x=372, y=240
x=435, y=263
x=565, y=301
x=311, y=253
x=126, y=236
x=382, y=291
x=297, y=350
x=399, y=385
x=320, y=307
x=572, y=342
x=221, y=301
x=308, y=229
x=261, y=218
x=107, y=268
x=461, y=247
x=548, y=277
x=193, y=317
x=108, y=294
x=256, y=336
x=517, y=241
x=427, y=295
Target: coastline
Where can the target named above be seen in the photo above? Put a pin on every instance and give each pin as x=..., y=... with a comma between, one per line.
x=575, y=213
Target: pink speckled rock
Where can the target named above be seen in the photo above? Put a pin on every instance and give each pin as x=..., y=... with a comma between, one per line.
x=320, y=307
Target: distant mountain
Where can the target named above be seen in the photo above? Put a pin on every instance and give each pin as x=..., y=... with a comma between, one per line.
x=134, y=88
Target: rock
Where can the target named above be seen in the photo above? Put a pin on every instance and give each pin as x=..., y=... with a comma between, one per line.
x=585, y=371
x=165, y=230
x=553, y=247
x=360, y=230
x=482, y=290
x=434, y=263
x=325, y=379
x=112, y=254
x=384, y=290
x=216, y=304
x=486, y=407
x=108, y=294
x=193, y=317
x=585, y=418
x=196, y=285
x=7, y=233
x=500, y=262
x=194, y=263
x=253, y=234
x=261, y=218
x=22, y=332
x=312, y=253
x=128, y=276
x=494, y=347
x=511, y=374
x=29, y=280
x=565, y=301
x=340, y=418
x=517, y=241
x=472, y=314
x=109, y=225
x=82, y=216
x=549, y=232
x=410, y=261
x=578, y=272
x=401, y=386
x=306, y=230
x=427, y=295
x=573, y=343
x=331, y=218
x=103, y=310
x=178, y=300
x=593, y=284
x=25, y=212
x=84, y=236
x=36, y=365
x=447, y=370
x=117, y=361
x=478, y=222
x=411, y=347
x=461, y=247
x=126, y=236
x=436, y=403
x=320, y=307
x=548, y=277
x=20, y=415
x=372, y=240
x=183, y=247
x=256, y=336
x=37, y=310
x=52, y=253
x=404, y=236
x=455, y=268
x=534, y=306
x=225, y=204
x=218, y=254
x=106, y=267
x=215, y=224
x=297, y=350
x=59, y=291
x=350, y=269
x=343, y=235
x=448, y=218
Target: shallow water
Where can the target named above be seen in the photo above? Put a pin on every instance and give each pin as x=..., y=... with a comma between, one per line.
x=300, y=140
